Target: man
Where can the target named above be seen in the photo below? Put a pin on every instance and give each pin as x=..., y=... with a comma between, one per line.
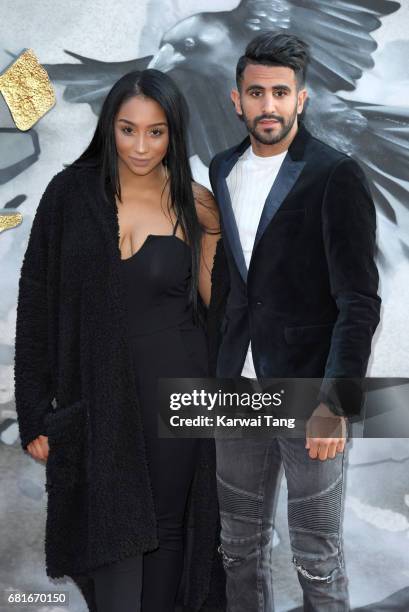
x=295, y=296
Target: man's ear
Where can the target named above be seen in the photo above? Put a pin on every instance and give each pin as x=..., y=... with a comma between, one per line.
x=302, y=97
x=235, y=98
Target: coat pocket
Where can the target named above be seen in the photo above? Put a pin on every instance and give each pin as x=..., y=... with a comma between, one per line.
x=308, y=333
x=67, y=433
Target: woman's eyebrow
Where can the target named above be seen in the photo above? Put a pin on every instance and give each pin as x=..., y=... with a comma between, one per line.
x=134, y=124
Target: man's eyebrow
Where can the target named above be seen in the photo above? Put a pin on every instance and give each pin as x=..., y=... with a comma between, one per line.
x=134, y=124
x=279, y=86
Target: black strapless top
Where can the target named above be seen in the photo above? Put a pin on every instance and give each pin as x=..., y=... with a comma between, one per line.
x=157, y=280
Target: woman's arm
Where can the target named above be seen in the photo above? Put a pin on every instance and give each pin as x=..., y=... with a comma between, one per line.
x=208, y=215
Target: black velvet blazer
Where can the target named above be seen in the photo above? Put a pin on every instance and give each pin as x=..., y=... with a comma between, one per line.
x=309, y=300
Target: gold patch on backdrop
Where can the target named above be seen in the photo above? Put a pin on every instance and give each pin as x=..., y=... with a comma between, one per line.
x=27, y=90
x=10, y=220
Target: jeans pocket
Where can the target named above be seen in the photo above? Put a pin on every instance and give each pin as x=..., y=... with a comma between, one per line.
x=67, y=433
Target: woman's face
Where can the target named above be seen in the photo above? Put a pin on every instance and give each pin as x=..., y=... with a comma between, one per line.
x=141, y=134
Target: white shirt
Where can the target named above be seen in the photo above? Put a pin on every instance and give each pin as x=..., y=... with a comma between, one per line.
x=249, y=184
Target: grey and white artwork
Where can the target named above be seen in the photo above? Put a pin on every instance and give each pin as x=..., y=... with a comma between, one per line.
x=358, y=86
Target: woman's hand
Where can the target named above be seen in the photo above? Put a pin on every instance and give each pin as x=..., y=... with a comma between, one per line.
x=38, y=448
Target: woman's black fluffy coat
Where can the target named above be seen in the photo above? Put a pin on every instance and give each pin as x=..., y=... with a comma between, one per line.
x=74, y=383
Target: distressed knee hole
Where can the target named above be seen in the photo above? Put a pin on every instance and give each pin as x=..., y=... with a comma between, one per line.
x=312, y=575
x=238, y=502
x=235, y=550
x=228, y=559
x=320, y=513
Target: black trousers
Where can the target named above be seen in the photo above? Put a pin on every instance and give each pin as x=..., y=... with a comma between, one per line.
x=149, y=582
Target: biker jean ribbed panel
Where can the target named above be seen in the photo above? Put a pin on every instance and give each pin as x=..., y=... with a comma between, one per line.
x=247, y=477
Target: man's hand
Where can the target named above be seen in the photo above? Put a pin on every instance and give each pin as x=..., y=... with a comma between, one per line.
x=325, y=433
x=38, y=448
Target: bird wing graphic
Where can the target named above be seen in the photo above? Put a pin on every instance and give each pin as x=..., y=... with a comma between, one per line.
x=213, y=124
x=90, y=81
x=383, y=153
x=338, y=32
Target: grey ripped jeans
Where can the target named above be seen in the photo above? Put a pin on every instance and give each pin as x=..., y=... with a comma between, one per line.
x=247, y=476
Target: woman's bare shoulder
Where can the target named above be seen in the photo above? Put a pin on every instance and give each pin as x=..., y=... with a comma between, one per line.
x=200, y=191
x=206, y=206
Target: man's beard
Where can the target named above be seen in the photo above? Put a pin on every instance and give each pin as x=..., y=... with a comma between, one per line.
x=269, y=138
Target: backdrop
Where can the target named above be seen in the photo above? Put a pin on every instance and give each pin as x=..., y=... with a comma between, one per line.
x=358, y=86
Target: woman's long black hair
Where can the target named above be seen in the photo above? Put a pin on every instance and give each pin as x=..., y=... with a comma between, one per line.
x=102, y=152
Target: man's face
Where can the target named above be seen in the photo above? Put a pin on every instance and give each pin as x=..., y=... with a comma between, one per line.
x=269, y=102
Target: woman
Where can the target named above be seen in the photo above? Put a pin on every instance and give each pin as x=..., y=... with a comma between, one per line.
x=121, y=245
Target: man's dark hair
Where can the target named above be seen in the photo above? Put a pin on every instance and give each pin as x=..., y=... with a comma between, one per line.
x=271, y=49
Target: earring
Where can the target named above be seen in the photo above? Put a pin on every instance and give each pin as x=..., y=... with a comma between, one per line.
x=166, y=172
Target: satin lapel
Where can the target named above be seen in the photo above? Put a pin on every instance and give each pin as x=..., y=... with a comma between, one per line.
x=230, y=228
x=228, y=219
x=287, y=176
